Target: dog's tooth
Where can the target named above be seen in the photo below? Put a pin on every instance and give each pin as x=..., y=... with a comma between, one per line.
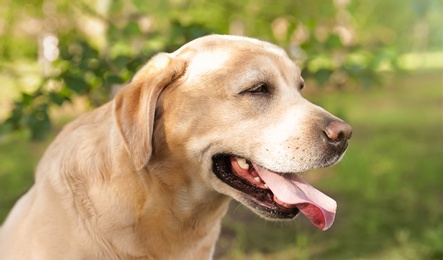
x=265, y=186
x=242, y=163
x=257, y=179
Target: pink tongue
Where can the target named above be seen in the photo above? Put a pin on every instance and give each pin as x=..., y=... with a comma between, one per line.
x=316, y=206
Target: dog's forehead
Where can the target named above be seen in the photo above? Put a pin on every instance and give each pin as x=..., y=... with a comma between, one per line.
x=218, y=52
x=212, y=42
x=206, y=61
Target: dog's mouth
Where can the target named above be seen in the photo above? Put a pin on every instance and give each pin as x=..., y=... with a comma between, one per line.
x=278, y=195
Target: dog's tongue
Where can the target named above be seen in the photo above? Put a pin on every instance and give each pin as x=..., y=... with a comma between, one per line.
x=290, y=189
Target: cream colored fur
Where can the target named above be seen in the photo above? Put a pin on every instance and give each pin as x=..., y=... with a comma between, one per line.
x=133, y=179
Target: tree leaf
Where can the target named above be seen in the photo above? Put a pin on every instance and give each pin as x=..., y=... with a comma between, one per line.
x=75, y=83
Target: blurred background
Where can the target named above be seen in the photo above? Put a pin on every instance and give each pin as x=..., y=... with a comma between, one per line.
x=377, y=64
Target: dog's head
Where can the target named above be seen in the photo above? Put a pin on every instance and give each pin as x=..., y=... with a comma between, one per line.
x=230, y=110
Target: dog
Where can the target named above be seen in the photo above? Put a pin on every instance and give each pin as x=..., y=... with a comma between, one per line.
x=150, y=174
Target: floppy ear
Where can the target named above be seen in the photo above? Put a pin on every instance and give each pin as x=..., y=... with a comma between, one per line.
x=134, y=105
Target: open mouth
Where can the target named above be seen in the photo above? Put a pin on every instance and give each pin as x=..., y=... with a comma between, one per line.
x=278, y=195
x=248, y=182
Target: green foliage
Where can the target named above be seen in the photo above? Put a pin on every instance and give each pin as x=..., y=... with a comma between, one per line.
x=83, y=71
x=92, y=62
x=31, y=111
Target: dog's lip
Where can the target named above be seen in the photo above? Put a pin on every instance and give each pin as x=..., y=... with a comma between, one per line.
x=261, y=197
x=287, y=190
x=244, y=169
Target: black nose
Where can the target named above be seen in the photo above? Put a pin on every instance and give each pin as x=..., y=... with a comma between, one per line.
x=338, y=133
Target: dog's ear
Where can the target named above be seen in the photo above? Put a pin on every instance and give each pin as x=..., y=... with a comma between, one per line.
x=134, y=105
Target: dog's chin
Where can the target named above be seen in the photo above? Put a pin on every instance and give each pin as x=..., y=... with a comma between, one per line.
x=249, y=192
x=333, y=157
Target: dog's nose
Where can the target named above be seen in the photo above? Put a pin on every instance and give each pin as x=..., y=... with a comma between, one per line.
x=338, y=132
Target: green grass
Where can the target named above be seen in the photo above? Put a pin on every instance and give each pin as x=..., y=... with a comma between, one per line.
x=388, y=187
x=18, y=159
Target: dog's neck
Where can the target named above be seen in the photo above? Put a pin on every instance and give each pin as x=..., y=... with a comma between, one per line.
x=129, y=213
x=181, y=215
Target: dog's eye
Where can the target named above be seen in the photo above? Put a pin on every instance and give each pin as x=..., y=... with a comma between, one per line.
x=260, y=88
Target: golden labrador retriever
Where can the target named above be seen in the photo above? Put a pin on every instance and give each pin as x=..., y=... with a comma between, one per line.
x=150, y=174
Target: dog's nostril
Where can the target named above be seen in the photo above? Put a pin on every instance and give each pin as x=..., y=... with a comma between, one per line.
x=340, y=136
x=338, y=132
